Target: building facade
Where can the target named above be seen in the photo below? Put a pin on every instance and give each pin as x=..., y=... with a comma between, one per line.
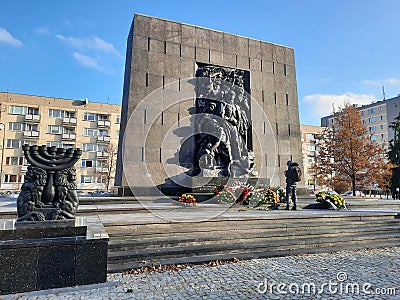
x=309, y=137
x=376, y=117
x=161, y=55
x=37, y=120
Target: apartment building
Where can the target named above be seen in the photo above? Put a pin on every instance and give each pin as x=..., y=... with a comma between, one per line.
x=377, y=117
x=309, y=137
x=64, y=123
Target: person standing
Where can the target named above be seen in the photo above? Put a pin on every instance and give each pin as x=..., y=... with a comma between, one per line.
x=293, y=175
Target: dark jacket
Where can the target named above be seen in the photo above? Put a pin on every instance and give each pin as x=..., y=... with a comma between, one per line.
x=291, y=174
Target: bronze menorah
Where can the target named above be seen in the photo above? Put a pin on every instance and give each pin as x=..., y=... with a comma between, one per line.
x=51, y=159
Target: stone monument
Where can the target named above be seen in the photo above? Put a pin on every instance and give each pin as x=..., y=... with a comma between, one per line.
x=201, y=103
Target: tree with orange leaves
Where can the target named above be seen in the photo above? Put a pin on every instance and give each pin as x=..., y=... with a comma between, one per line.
x=345, y=152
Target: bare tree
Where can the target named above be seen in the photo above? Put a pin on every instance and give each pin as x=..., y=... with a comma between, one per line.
x=107, y=166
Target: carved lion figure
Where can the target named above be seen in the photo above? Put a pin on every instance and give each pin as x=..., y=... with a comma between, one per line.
x=31, y=192
x=67, y=198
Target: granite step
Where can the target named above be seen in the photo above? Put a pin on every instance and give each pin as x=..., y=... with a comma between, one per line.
x=181, y=241
x=373, y=242
x=233, y=244
x=128, y=232
x=247, y=236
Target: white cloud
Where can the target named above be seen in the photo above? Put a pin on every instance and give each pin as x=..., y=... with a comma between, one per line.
x=383, y=82
x=7, y=38
x=93, y=43
x=322, y=104
x=87, y=61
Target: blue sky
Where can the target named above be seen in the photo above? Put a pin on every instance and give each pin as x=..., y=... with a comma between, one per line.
x=344, y=49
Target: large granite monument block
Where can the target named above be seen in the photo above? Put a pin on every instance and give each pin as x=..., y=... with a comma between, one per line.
x=163, y=98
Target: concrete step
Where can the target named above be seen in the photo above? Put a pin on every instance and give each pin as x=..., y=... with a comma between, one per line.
x=118, y=245
x=154, y=230
x=235, y=244
x=255, y=253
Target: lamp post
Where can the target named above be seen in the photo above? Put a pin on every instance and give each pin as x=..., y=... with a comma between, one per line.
x=2, y=128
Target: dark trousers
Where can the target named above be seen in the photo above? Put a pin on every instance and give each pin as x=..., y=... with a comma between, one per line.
x=291, y=193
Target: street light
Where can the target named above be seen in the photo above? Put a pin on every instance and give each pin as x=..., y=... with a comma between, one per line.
x=3, y=128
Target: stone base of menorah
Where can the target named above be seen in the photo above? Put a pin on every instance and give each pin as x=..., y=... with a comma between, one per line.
x=51, y=254
x=46, y=213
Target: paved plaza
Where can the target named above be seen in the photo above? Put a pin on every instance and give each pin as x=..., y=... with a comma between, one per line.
x=359, y=274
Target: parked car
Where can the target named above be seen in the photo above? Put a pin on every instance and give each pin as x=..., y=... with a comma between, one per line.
x=350, y=193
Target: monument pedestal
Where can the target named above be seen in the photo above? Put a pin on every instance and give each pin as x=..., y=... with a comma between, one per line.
x=203, y=187
x=51, y=254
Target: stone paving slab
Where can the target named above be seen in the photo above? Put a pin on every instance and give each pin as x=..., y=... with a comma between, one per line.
x=360, y=274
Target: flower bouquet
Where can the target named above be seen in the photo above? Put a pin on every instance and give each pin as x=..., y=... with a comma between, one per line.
x=188, y=200
x=331, y=200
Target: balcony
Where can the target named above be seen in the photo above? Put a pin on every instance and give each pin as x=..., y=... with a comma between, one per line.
x=68, y=136
x=102, y=169
x=32, y=118
x=103, y=123
x=31, y=134
x=102, y=154
x=103, y=139
x=69, y=121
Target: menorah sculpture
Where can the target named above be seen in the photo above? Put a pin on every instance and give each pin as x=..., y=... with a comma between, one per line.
x=49, y=191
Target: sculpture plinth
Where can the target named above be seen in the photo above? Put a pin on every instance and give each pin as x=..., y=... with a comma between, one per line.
x=47, y=247
x=49, y=191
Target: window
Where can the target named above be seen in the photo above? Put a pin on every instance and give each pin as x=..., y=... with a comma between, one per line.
x=372, y=128
x=90, y=117
x=373, y=138
x=18, y=110
x=103, y=117
x=310, y=147
x=118, y=120
x=382, y=136
x=363, y=121
x=87, y=163
x=103, y=132
x=33, y=111
x=382, y=126
x=68, y=130
x=381, y=118
x=381, y=108
x=371, y=111
x=310, y=136
x=68, y=146
x=372, y=120
x=87, y=179
x=101, y=163
x=31, y=127
x=15, y=161
x=54, y=129
x=117, y=134
x=9, y=178
x=56, y=113
x=102, y=148
x=287, y=99
x=89, y=132
x=89, y=147
x=15, y=126
x=15, y=144
x=54, y=144
x=69, y=114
